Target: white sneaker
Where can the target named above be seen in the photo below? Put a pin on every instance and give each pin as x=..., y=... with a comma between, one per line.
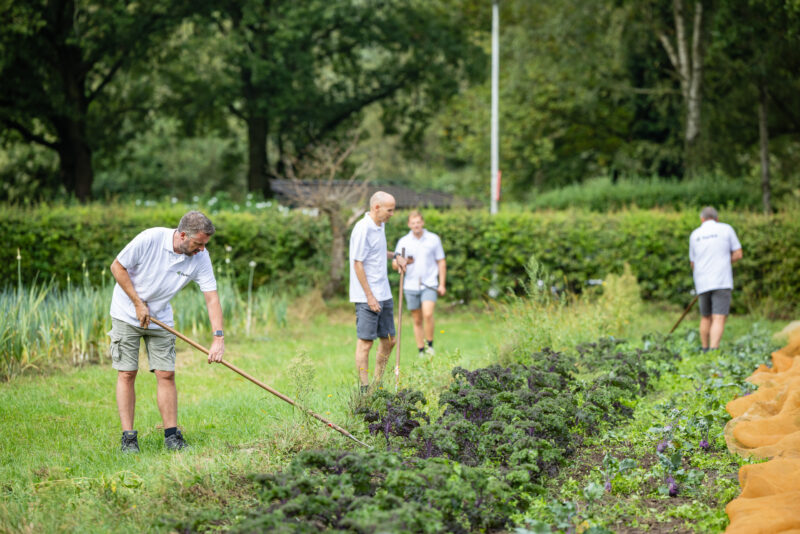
x=429, y=351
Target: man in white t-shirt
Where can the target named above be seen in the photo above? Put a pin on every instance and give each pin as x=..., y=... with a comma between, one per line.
x=713, y=248
x=369, y=287
x=149, y=271
x=424, y=279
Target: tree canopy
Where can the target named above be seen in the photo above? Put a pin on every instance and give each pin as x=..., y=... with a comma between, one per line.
x=176, y=98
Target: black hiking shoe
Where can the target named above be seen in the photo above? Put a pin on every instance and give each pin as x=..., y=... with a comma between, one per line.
x=175, y=442
x=129, y=441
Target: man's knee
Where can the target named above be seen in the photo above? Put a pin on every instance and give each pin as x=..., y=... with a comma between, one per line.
x=126, y=376
x=168, y=376
x=388, y=342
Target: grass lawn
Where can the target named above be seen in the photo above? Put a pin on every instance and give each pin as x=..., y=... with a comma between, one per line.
x=60, y=469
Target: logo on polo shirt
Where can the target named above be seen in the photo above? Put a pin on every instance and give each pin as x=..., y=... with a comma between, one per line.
x=182, y=273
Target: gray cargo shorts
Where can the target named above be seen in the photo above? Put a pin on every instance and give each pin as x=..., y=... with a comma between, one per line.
x=717, y=302
x=370, y=325
x=124, y=348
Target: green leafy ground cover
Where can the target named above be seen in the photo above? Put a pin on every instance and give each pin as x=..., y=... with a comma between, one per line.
x=493, y=458
x=668, y=469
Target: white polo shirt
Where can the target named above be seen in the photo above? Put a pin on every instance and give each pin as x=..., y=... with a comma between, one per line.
x=710, y=248
x=368, y=245
x=426, y=250
x=158, y=273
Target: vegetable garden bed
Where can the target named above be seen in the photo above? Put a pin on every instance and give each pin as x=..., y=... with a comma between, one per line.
x=604, y=438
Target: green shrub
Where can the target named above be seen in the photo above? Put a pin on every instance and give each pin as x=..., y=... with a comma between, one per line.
x=485, y=254
x=601, y=194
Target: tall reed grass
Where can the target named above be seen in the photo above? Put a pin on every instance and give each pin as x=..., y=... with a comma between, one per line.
x=45, y=327
x=547, y=317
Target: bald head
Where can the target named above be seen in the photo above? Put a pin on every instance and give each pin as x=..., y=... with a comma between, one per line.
x=380, y=197
x=381, y=207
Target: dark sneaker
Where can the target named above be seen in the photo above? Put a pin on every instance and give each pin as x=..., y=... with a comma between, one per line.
x=364, y=389
x=175, y=442
x=129, y=441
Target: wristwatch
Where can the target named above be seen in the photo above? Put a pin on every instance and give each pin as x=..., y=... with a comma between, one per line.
x=218, y=333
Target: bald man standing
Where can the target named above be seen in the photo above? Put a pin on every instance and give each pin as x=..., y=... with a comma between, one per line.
x=369, y=286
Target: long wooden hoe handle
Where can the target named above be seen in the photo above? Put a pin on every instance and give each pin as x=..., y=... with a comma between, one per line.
x=689, y=307
x=399, y=328
x=261, y=384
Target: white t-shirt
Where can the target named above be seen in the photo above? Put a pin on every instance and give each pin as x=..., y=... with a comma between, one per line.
x=368, y=245
x=710, y=248
x=426, y=250
x=158, y=273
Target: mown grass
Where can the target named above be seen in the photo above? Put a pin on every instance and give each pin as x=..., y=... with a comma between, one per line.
x=59, y=431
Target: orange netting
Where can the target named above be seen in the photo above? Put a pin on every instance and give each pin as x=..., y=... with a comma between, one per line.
x=766, y=424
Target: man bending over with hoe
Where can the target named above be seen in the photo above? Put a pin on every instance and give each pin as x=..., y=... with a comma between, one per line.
x=149, y=271
x=369, y=286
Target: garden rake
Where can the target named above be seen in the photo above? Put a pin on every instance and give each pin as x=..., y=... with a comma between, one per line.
x=261, y=384
x=689, y=307
x=399, y=327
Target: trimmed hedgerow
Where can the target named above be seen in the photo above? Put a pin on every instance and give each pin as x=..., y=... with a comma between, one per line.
x=291, y=249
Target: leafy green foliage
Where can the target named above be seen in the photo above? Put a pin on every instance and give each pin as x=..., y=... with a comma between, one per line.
x=483, y=251
x=603, y=194
x=502, y=431
x=58, y=61
x=366, y=491
x=668, y=465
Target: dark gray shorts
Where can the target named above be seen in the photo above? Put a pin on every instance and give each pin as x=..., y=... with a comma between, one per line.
x=716, y=302
x=124, y=347
x=370, y=325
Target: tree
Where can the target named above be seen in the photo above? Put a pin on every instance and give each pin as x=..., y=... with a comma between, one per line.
x=762, y=60
x=57, y=58
x=565, y=109
x=324, y=181
x=296, y=73
x=687, y=57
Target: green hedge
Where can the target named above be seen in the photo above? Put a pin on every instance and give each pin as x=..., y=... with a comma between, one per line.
x=602, y=195
x=291, y=248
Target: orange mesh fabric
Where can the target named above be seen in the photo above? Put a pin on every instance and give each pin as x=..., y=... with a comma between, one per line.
x=766, y=424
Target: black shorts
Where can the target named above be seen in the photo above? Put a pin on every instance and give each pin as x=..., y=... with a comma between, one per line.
x=716, y=302
x=370, y=324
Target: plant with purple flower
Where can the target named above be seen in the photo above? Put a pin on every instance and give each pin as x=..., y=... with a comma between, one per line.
x=673, y=487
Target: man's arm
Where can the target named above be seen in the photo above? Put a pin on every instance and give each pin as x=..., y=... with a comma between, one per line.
x=736, y=255
x=442, y=276
x=124, y=280
x=361, y=275
x=215, y=316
